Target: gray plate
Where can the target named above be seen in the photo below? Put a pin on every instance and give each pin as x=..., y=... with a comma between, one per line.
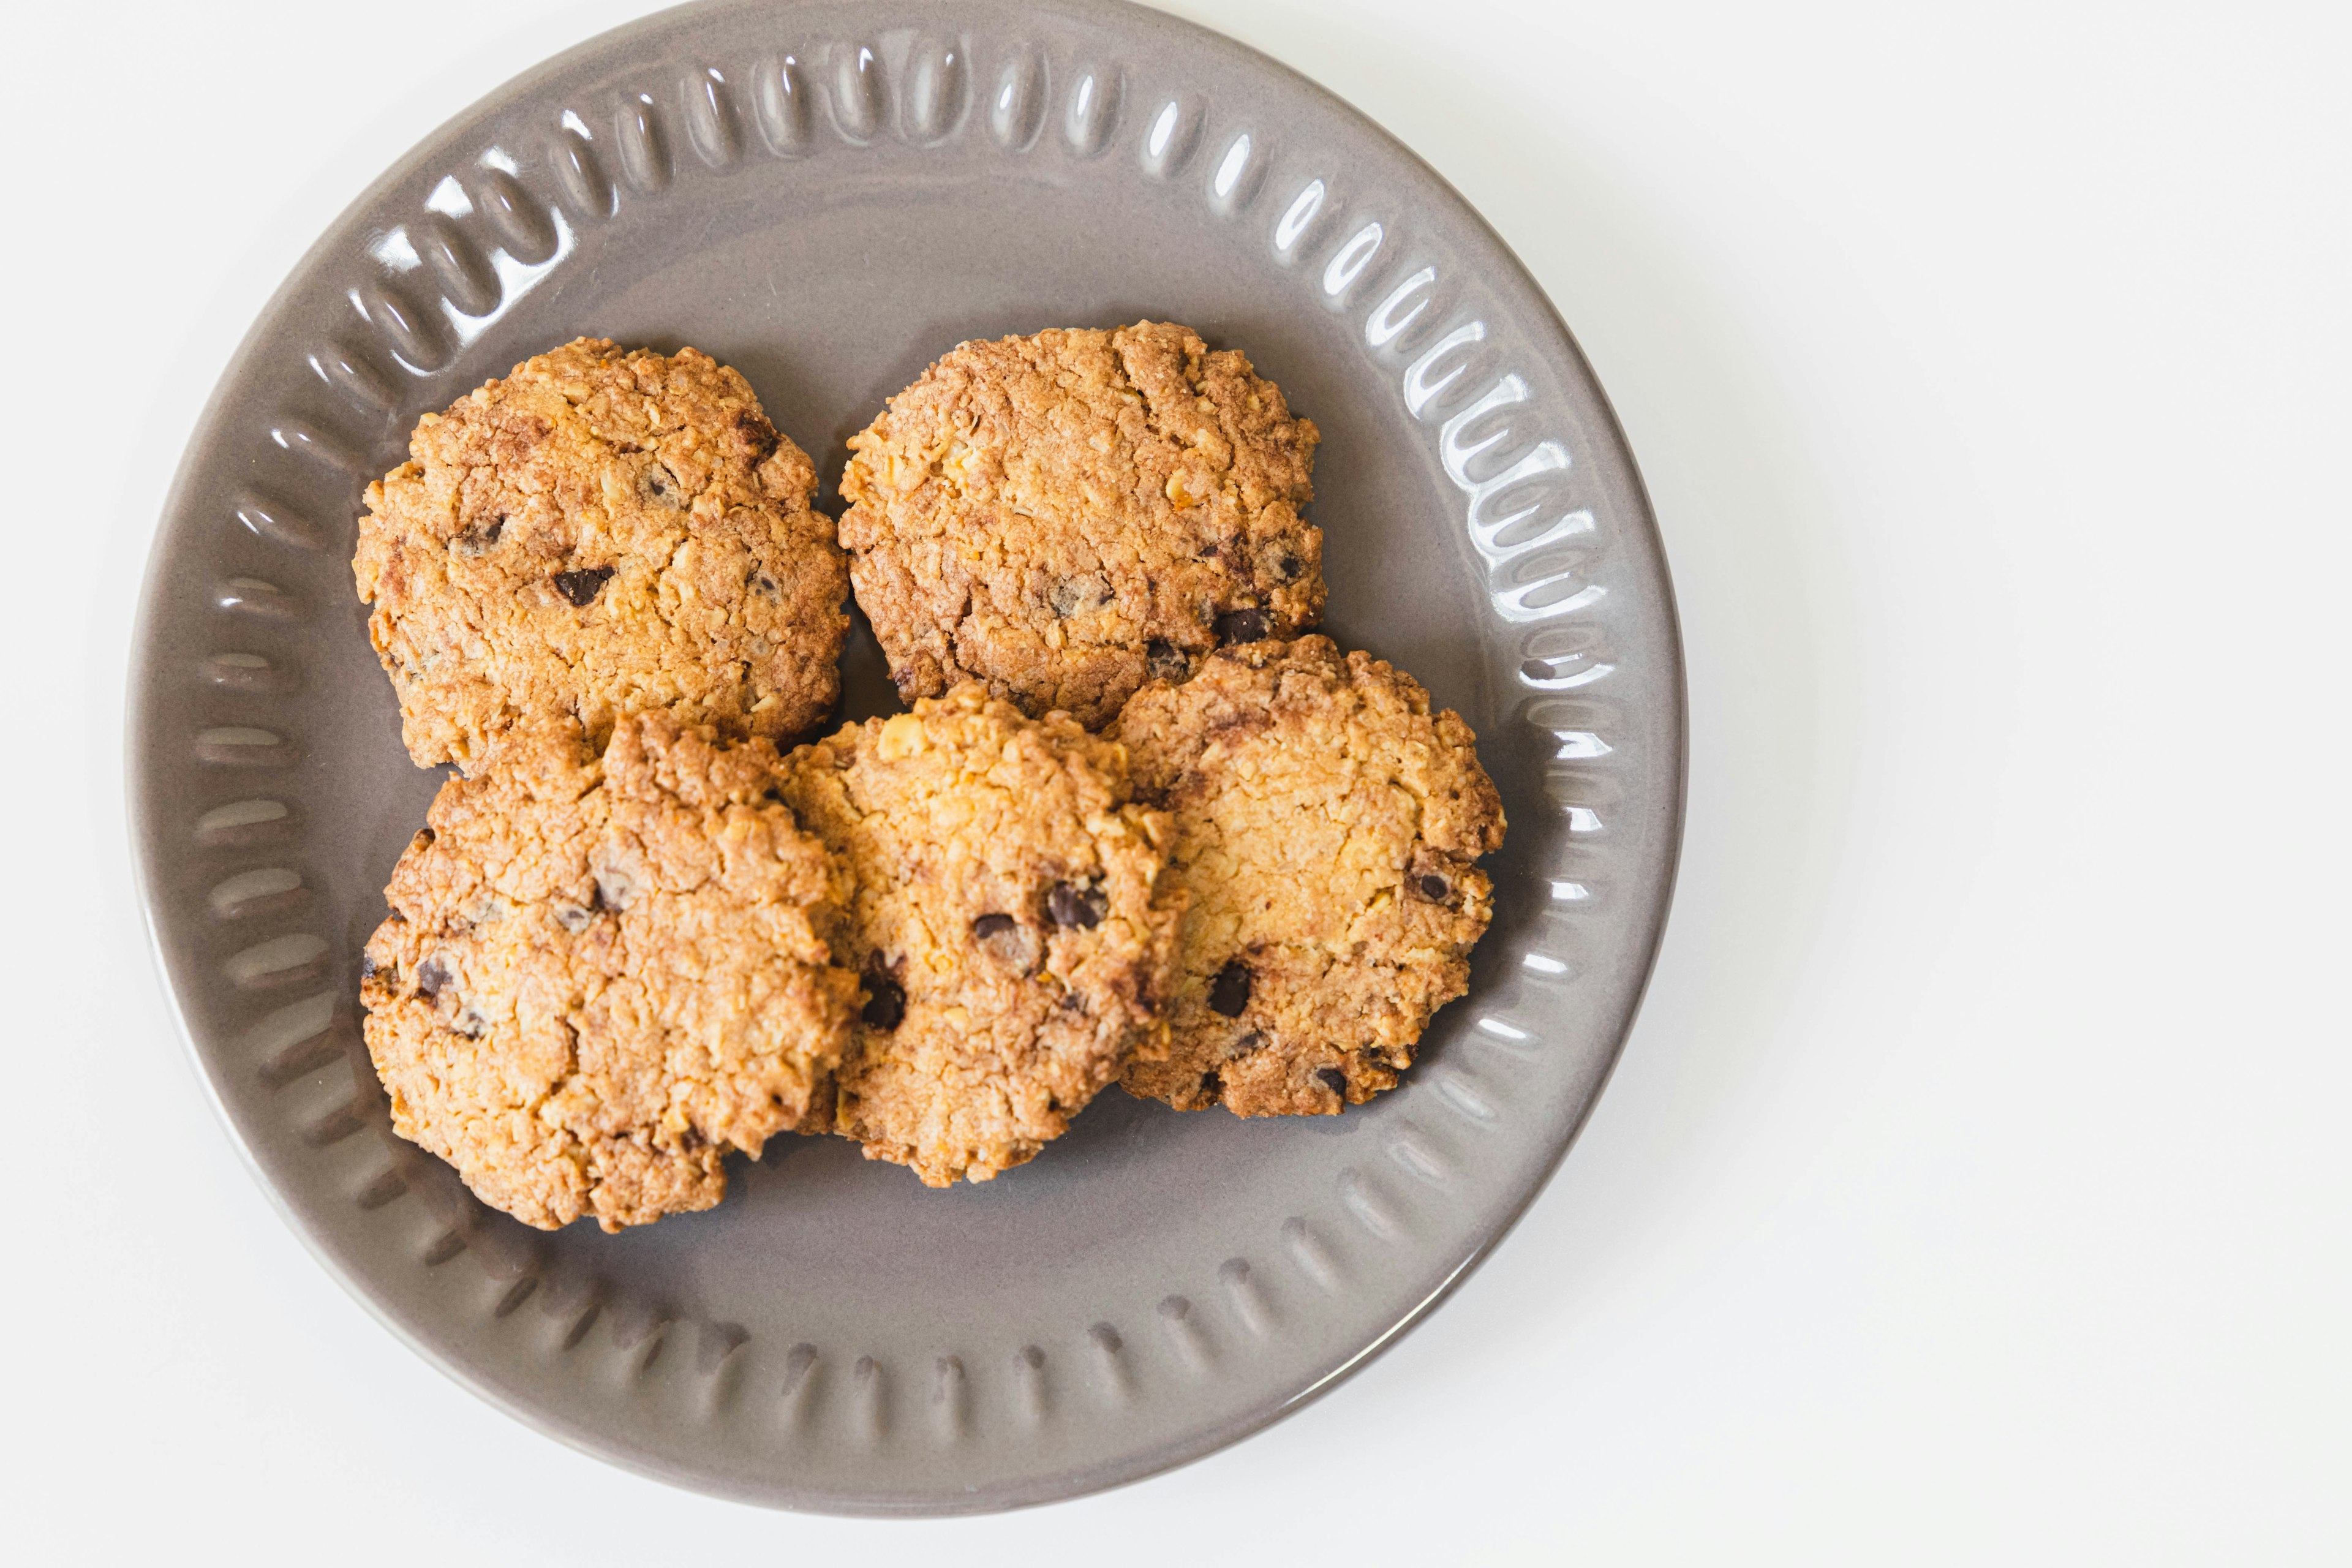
x=827, y=197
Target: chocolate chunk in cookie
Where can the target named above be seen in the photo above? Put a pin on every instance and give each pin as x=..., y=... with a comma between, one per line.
x=1067, y=516
x=1009, y=915
x=602, y=973
x=601, y=534
x=1328, y=826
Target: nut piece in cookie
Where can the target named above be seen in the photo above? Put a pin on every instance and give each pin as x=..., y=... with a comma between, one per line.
x=600, y=974
x=1069, y=515
x=599, y=534
x=1328, y=826
x=1009, y=916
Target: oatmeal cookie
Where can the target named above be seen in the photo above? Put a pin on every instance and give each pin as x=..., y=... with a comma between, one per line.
x=599, y=534
x=1009, y=916
x=1066, y=516
x=600, y=974
x=1327, y=829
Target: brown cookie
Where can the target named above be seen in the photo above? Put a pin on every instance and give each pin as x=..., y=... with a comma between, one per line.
x=1326, y=830
x=599, y=534
x=600, y=974
x=1066, y=516
x=1009, y=920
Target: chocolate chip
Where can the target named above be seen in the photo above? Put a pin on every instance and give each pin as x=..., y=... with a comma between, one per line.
x=1333, y=1079
x=478, y=540
x=886, y=1003
x=1207, y=552
x=472, y=1025
x=1166, y=661
x=1428, y=875
x=583, y=586
x=658, y=486
x=1283, y=565
x=1007, y=941
x=1072, y=905
x=431, y=976
x=759, y=436
x=1241, y=626
x=572, y=916
x=765, y=586
x=1229, y=991
x=1248, y=1043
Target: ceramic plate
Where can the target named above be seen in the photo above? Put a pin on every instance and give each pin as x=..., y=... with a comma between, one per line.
x=828, y=197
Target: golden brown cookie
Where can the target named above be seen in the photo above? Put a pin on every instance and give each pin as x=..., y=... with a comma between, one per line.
x=1326, y=830
x=1009, y=920
x=1066, y=516
x=599, y=534
x=600, y=975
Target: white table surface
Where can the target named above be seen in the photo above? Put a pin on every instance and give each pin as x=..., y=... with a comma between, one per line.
x=1974, y=1187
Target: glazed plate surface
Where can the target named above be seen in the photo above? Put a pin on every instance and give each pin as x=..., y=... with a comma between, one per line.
x=827, y=197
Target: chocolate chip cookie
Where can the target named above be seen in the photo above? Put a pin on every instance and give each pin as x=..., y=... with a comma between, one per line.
x=1067, y=515
x=1328, y=826
x=603, y=973
x=603, y=532
x=1009, y=918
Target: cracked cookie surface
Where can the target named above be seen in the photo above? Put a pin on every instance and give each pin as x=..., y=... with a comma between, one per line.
x=1067, y=515
x=600, y=974
x=601, y=532
x=1327, y=825
x=1008, y=914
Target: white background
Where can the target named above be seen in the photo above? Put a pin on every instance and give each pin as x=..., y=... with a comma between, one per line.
x=1974, y=1188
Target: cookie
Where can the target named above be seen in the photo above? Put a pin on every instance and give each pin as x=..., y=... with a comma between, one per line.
x=600, y=974
x=1328, y=826
x=601, y=534
x=1008, y=918
x=1065, y=516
